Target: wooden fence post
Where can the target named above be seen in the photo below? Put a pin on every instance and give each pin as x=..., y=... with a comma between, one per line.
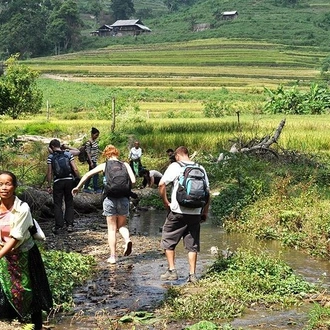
x=113, y=115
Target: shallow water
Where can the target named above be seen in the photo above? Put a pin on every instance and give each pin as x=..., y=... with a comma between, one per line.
x=149, y=290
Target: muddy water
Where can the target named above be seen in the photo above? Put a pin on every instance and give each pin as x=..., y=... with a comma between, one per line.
x=143, y=271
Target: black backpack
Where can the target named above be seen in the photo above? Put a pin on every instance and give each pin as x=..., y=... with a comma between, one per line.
x=192, y=191
x=61, y=165
x=117, y=181
x=82, y=157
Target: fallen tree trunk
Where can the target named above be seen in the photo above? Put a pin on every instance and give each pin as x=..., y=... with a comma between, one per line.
x=255, y=145
x=45, y=140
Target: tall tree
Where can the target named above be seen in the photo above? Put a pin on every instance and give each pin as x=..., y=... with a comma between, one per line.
x=22, y=27
x=64, y=26
x=122, y=9
x=18, y=91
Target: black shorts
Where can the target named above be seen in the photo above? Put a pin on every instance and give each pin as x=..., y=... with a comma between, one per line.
x=156, y=180
x=177, y=226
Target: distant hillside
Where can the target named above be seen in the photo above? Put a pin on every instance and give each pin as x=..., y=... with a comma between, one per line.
x=305, y=24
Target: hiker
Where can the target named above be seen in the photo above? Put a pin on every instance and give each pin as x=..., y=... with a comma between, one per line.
x=150, y=178
x=24, y=287
x=181, y=221
x=119, y=178
x=92, y=150
x=61, y=167
x=171, y=159
x=170, y=154
x=134, y=157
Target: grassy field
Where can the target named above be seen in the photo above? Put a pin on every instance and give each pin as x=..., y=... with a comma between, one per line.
x=173, y=79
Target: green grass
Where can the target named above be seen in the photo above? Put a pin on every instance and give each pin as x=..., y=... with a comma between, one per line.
x=173, y=79
x=232, y=285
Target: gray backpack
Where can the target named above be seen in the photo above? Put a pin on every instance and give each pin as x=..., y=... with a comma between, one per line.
x=192, y=191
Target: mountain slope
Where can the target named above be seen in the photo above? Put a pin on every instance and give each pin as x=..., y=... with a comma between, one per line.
x=305, y=24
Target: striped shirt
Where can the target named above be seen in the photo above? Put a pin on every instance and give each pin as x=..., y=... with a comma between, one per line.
x=92, y=148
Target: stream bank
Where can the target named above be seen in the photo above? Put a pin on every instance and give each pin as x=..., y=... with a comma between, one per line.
x=133, y=283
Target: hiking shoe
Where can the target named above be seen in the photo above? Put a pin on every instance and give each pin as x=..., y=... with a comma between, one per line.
x=111, y=260
x=88, y=191
x=70, y=229
x=192, y=278
x=56, y=231
x=128, y=248
x=98, y=191
x=170, y=275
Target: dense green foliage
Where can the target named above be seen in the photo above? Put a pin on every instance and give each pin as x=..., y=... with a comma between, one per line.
x=314, y=102
x=18, y=90
x=65, y=271
x=122, y=9
x=35, y=28
x=243, y=279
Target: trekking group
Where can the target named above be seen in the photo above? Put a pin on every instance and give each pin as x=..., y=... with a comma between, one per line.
x=186, y=207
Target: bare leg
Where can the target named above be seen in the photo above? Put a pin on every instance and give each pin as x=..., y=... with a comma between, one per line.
x=112, y=230
x=123, y=230
x=170, y=256
x=192, y=259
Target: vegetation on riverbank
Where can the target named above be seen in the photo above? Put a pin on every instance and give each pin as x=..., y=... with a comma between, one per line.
x=283, y=198
x=235, y=283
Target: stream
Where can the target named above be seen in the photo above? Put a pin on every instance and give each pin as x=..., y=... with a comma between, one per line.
x=143, y=271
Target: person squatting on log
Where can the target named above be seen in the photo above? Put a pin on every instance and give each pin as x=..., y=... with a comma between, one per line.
x=24, y=287
x=119, y=178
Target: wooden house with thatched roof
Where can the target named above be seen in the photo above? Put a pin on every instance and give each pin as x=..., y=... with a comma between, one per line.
x=129, y=27
x=103, y=31
x=132, y=27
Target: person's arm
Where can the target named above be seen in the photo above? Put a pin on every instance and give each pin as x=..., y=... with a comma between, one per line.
x=49, y=177
x=89, y=174
x=130, y=173
x=75, y=168
x=9, y=245
x=73, y=151
x=205, y=211
x=88, y=152
x=163, y=194
x=139, y=153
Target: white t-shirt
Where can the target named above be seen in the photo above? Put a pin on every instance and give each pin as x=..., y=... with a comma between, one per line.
x=172, y=174
x=135, y=153
x=155, y=174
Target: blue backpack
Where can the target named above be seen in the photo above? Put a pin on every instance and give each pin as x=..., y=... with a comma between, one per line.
x=61, y=165
x=192, y=191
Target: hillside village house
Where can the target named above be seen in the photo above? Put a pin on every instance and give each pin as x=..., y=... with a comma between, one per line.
x=131, y=27
x=229, y=14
